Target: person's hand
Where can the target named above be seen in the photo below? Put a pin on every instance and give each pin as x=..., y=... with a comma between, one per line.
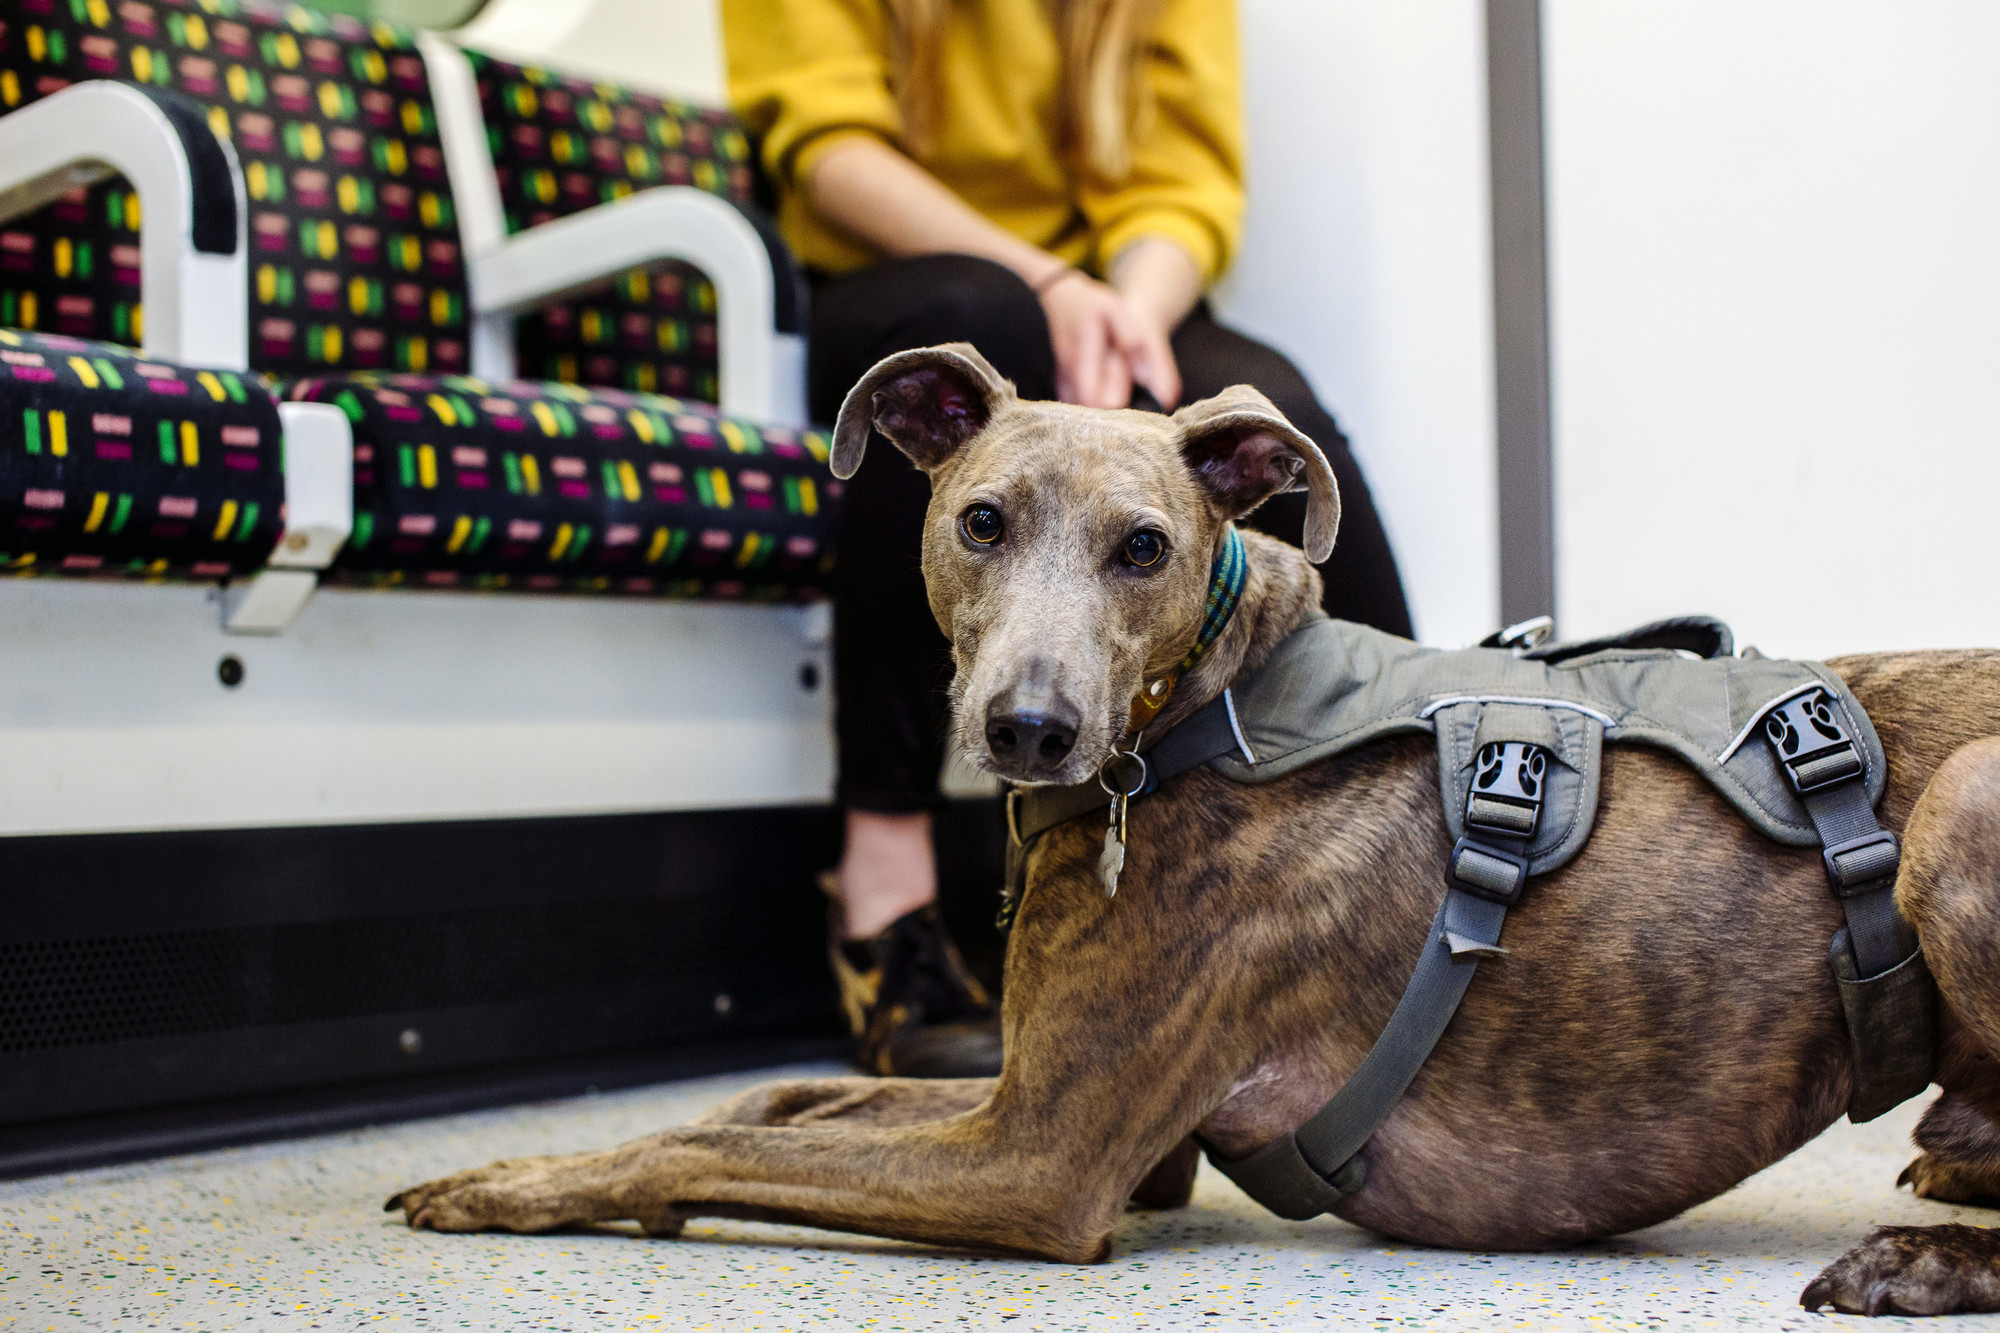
x=1160, y=282
x=1105, y=344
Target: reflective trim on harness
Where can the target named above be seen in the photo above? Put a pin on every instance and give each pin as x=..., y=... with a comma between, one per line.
x=1236, y=727
x=1570, y=704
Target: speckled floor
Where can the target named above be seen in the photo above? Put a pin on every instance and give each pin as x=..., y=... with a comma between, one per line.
x=291, y=1235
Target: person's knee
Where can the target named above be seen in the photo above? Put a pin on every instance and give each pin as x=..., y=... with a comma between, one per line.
x=968, y=299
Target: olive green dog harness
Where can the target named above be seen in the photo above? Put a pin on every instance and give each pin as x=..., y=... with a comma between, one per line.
x=1520, y=733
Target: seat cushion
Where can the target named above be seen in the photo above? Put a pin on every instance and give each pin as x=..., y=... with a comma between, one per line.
x=114, y=464
x=563, y=145
x=354, y=252
x=551, y=487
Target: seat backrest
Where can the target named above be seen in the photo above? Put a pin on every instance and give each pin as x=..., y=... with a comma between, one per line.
x=562, y=145
x=354, y=250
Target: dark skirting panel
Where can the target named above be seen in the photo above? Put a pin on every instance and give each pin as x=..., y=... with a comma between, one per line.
x=150, y=973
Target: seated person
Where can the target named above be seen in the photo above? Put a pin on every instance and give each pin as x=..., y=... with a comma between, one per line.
x=1056, y=182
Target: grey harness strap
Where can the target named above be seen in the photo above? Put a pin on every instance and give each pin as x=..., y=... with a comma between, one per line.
x=1825, y=768
x=1310, y=1170
x=1885, y=985
x=1519, y=759
x=1305, y=1173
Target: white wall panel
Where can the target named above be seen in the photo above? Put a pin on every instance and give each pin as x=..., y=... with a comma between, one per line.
x=1367, y=259
x=1775, y=257
x=669, y=47
x=399, y=706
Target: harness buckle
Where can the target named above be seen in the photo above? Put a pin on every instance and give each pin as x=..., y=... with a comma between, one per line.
x=1506, y=795
x=1812, y=746
x=1859, y=865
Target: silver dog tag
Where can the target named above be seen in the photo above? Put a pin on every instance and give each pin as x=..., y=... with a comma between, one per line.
x=1113, y=859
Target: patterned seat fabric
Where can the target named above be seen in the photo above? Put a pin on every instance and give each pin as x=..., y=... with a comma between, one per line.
x=124, y=466
x=356, y=275
x=354, y=252
x=564, y=145
x=549, y=487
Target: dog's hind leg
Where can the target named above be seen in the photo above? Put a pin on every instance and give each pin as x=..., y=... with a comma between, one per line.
x=1950, y=890
x=1171, y=1183
x=1960, y=1162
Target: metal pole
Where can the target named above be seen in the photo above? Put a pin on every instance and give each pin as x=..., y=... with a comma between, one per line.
x=1520, y=309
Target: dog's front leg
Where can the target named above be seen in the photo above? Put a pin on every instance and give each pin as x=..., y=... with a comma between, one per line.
x=863, y=1100
x=975, y=1180
x=1041, y=1163
x=1112, y=1060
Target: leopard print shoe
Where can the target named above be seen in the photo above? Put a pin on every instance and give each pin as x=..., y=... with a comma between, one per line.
x=914, y=1009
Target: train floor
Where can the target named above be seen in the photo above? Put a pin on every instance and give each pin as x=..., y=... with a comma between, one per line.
x=291, y=1236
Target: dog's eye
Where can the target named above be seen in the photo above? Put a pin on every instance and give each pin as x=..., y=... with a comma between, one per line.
x=1145, y=547
x=982, y=524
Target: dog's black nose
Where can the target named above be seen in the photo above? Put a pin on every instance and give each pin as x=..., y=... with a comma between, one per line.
x=1030, y=741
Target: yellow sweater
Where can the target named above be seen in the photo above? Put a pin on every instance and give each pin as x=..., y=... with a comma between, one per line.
x=805, y=73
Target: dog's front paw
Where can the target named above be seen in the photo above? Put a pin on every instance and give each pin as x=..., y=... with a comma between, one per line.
x=521, y=1194
x=1950, y=1269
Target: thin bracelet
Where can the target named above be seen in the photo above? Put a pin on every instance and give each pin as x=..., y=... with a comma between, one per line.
x=1052, y=279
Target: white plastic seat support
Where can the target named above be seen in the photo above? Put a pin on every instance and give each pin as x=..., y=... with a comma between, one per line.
x=319, y=516
x=195, y=298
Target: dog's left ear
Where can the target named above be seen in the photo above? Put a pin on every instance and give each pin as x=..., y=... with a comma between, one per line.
x=926, y=402
x=1243, y=451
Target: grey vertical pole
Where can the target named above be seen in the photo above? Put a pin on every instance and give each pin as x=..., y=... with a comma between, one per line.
x=1520, y=309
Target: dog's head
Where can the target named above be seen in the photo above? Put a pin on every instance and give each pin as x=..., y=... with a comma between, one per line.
x=1067, y=550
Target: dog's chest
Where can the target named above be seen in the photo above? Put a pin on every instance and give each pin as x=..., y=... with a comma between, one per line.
x=1270, y=1099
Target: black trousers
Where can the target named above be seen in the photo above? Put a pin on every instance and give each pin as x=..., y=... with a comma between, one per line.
x=891, y=662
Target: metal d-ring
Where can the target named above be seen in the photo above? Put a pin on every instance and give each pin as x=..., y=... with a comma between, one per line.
x=1137, y=787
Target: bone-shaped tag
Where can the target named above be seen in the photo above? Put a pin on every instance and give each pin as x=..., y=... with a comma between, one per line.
x=1112, y=861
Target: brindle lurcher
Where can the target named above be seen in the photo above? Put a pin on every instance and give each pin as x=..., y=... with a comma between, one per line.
x=1665, y=1025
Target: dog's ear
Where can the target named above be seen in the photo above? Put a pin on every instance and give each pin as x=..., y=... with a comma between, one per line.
x=1243, y=451
x=926, y=402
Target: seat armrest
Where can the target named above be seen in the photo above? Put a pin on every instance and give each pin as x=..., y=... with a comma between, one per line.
x=760, y=291
x=193, y=255
x=760, y=297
